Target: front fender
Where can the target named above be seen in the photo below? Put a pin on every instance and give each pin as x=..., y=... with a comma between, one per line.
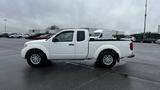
x=34, y=46
x=104, y=47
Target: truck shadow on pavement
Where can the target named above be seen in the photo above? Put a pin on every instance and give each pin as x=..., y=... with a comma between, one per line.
x=61, y=75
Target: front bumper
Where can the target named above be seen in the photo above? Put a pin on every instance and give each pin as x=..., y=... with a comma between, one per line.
x=23, y=53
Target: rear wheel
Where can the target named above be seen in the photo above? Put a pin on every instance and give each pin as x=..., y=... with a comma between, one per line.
x=107, y=59
x=36, y=58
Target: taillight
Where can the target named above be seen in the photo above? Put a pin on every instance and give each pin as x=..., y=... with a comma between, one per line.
x=131, y=46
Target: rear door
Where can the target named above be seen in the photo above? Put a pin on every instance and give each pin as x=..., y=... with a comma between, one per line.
x=81, y=45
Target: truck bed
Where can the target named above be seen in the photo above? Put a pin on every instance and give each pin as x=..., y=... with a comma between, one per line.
x=122, y=45
x=107, y=40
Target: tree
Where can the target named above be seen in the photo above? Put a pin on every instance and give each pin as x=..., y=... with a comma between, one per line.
x=149, y=35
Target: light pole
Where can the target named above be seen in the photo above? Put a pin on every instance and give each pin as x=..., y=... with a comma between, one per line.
x=5, y=26
x=145, y=20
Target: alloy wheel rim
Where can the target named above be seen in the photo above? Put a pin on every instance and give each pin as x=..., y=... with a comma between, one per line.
x=35, y=59
x=107, y=59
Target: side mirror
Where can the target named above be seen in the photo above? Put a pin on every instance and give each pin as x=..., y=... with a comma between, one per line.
x=55, y=40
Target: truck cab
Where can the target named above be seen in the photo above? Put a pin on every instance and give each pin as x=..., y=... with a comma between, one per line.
x=69, y=44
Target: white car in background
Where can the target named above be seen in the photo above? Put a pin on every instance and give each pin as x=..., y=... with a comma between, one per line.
x=25, y=35
x=15, y=36
x=158, y=41
x=102, y=34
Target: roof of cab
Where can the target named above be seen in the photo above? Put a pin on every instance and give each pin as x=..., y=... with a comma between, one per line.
x=74, y=30
x=98, y=31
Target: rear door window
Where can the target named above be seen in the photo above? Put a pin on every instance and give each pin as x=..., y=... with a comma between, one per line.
x=80, y=36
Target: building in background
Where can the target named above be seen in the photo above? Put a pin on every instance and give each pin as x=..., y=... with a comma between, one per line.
x=54, y=31
x=51, y=29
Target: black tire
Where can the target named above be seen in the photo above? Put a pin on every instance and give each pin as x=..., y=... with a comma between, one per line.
x=105, y=63
x=41, y=58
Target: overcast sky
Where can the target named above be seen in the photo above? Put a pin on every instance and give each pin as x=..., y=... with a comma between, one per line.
x=123, y=15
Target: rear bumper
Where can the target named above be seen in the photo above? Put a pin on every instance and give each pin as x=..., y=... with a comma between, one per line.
x=129, y=56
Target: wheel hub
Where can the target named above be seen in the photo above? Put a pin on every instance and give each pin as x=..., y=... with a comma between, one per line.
x=107, y=59
x=35, y=58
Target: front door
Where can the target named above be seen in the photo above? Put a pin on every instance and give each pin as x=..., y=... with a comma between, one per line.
x=63, y=46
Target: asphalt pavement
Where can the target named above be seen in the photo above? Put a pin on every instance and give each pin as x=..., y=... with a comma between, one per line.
x=139, y=73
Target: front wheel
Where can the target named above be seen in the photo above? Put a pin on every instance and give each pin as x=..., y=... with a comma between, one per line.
x=107, y=59
x=36, y=58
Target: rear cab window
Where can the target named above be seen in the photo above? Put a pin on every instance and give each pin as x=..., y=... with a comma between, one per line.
x=80, y=36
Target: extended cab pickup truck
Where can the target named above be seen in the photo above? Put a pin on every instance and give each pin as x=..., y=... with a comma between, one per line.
x=75, y=44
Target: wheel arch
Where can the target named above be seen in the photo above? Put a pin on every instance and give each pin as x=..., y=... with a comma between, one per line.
x=36, y=47
x=108, y=48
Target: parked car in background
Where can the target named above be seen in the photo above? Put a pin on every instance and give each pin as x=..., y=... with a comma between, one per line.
x=33, y=36
x=158, y=41
x=12, y=35
x=45, y=36
x=25, y=35
x=38, y=36
x=5, y=34
x=15, y=35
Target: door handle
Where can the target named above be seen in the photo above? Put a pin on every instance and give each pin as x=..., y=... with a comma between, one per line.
x=71, y=44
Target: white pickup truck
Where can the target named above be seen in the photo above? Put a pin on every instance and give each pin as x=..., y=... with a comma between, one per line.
x=75, y=44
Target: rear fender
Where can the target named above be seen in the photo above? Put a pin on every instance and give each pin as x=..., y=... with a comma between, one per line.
x=104, y=47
